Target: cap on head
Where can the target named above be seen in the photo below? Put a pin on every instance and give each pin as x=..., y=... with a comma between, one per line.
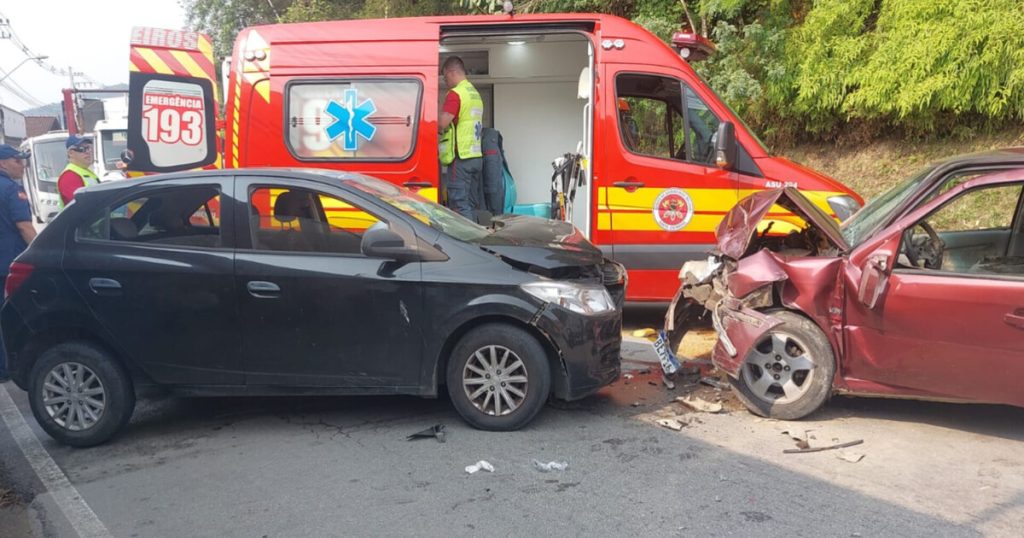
x=75, y=141
x=10, y=152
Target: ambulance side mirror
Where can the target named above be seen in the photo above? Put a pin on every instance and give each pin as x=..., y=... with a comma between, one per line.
x=725, y=146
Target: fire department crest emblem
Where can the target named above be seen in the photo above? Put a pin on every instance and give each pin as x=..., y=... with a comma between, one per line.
x=673, y=209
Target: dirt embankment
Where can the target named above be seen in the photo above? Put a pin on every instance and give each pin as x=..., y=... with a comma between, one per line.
x=873, y=168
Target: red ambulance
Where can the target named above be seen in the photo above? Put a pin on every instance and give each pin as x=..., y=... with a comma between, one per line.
x=662, y=158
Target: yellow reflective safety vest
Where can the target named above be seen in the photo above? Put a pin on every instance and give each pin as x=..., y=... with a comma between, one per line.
x=467, y=129
x=445, y=147
x=88, y=178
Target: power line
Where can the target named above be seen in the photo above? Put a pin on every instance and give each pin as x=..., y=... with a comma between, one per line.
x=7, y=32
x=20, y=92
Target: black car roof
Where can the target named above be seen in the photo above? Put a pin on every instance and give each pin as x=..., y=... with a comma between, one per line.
x=331, y=176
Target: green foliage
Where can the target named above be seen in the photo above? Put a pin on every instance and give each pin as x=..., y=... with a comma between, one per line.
x=958, y=58
x=791, y=68
x=820, y=54
x=317, y=10
x=382, y=9
x=223, y=19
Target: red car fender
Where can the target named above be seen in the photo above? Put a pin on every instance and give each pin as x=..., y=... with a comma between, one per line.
x=738, y=329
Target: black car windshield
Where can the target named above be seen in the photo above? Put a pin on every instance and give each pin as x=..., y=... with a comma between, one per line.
x=430, y=213
x=856, y=228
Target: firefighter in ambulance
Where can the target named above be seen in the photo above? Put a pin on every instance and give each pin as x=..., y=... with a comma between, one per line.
x=461, y=125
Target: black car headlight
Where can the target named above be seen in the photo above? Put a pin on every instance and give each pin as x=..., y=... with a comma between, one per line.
x=580, y=298
x=843, y=205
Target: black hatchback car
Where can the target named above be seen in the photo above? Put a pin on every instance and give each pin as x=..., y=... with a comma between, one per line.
x=289, y=282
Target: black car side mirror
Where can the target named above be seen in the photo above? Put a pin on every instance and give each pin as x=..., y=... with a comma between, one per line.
x=725, y=146
x=384, y=243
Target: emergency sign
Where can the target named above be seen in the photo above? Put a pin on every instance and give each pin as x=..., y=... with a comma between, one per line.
x=357, y=119
x=173, y=122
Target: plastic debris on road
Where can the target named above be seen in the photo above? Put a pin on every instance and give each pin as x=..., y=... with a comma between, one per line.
x=700, y=404
x=671, y=424
x=550, y=466
x=436, y=431
x=478, y=466
x=852, y=457
x=714, y=382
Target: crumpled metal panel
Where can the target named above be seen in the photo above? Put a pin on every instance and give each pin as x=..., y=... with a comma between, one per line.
x=742, y=328
x=740, y=223
x=755, y=271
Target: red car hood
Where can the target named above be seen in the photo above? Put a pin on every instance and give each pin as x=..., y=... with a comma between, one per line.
x=740, y=223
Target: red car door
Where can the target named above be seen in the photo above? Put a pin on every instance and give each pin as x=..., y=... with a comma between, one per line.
x=955, y=329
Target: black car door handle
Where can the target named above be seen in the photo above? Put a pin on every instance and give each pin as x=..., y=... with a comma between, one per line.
x=417, y=184
x=263, y=290
x=105, y=286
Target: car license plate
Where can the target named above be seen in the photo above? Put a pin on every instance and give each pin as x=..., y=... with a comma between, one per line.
x=669, y=362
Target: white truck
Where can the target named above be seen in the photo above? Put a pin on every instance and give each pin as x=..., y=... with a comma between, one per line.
x=110, y=139
x=49, y=156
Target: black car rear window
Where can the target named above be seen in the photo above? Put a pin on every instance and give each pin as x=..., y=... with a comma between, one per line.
x=188, y=216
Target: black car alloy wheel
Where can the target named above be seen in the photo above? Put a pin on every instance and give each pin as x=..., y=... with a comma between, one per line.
x=80, y=395
x=498, y=377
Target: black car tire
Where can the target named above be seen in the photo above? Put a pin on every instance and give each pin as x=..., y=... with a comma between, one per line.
x=118, y=392
x=802, y=337
x=467, y=373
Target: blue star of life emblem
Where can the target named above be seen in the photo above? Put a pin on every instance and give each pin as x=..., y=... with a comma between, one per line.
x=351, y=120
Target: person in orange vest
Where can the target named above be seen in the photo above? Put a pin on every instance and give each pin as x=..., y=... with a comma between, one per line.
x=76, y=174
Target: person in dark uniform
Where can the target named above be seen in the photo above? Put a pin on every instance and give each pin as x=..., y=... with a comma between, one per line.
x=16, y=230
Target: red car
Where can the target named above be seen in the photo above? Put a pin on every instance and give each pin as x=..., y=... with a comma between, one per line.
x=918, y=295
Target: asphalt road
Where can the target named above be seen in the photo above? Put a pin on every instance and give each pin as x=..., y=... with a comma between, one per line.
x=341, y=466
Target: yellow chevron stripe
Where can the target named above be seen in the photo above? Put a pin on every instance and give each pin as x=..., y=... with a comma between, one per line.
x=133, y=67
x=263, y=89
x=189, y=64
x=206, y=46
x=154, y=61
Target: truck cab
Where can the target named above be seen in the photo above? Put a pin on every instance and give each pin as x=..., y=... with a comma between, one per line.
x=661, y=158
x=110, y=139
x=49, y=157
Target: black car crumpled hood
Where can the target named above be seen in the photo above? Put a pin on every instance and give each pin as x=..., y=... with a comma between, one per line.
x=541, y=243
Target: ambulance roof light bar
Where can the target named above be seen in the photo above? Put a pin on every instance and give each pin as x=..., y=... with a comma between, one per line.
x=692, y=47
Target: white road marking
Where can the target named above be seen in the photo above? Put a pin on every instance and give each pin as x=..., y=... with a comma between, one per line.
x=70, y=502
